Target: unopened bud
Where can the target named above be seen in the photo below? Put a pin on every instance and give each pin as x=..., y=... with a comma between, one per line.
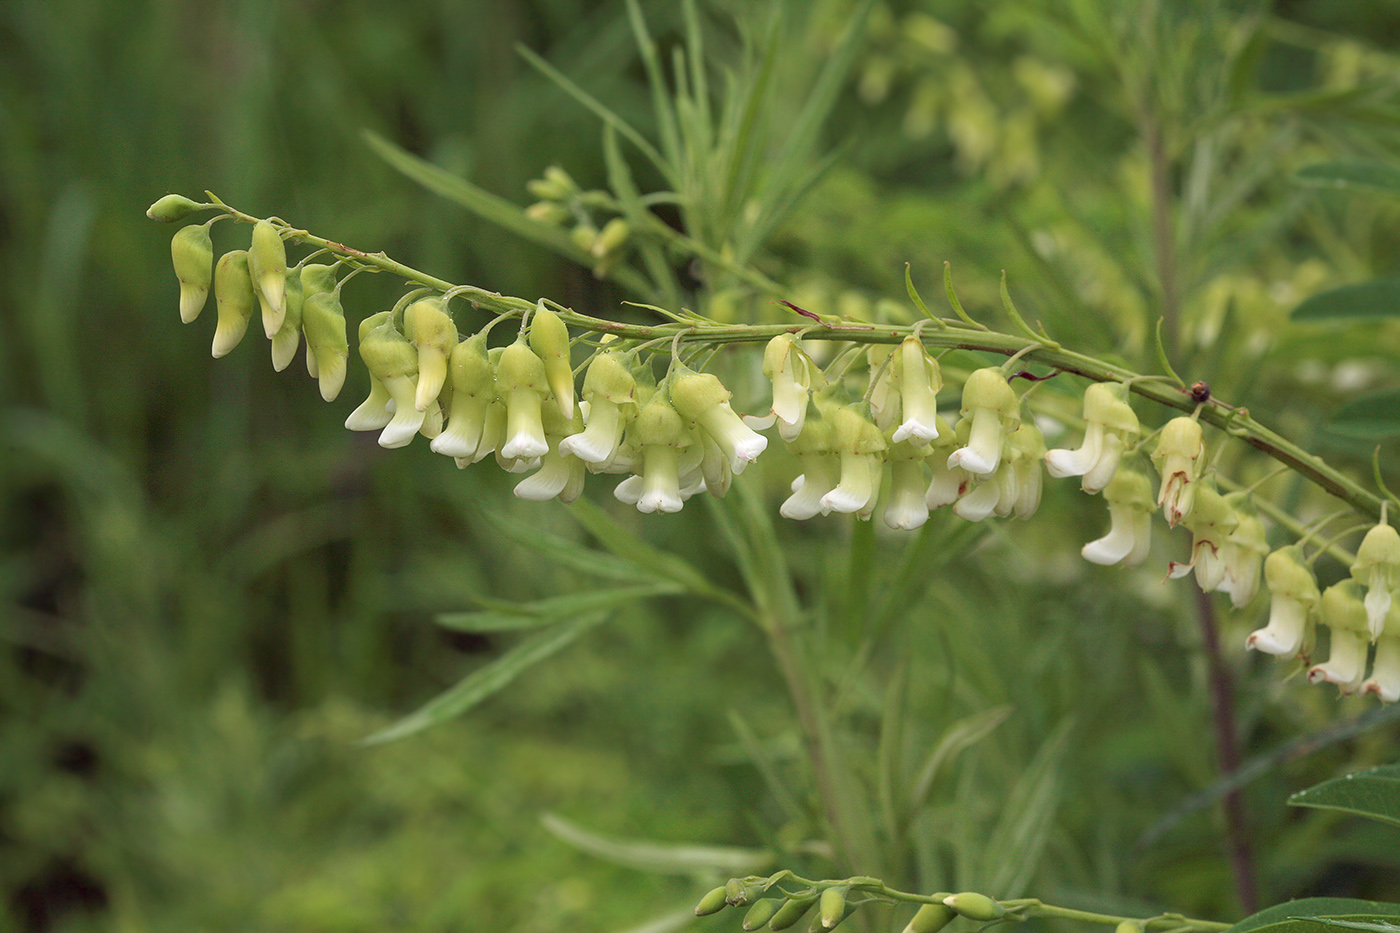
x=791, y=912
x=173, y=207
x=192, y=254
x=712, y=903
x=931, y=918
x=323, y=322
x=611, y=238
x=760, y=913
x=234, y=298
x=288, y=336
x=267, y=263
x=739, y=892
x=975, y=906
x=549, y=338
x=832, y=906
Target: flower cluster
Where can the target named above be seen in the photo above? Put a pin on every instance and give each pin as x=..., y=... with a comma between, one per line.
x=1357, y=612
x=864, y=443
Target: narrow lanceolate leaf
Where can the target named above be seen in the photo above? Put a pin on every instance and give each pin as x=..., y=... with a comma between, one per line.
x=1370, y=926
x=1353, y=175
x=1304, y=915
x=1370, y=417
x=661, y=858
x=1374, y=793
x=502, y=616
x=486, y=681
x=1378, y=299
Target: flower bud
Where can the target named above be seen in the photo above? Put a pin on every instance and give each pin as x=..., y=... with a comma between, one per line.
x=173, y=207
x=267, y=264
x=234, y=299
x=760, y=913
x=327, y=348
x=740, y=891
x=1377, y=567
x=832, y=906
x=1180, y=458
x=975, y=906
x=712, y=903
x=611, y=238
x=192, y=254
x=791, y=912
x=288, y=336
x=931, y=918
x=919, y=380
x=473, y=383
x=549, y=338
x=430, y=328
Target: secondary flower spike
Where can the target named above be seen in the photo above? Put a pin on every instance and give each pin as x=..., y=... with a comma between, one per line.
x=992, y=410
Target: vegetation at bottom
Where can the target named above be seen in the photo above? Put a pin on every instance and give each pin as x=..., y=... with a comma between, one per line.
x=214, y=594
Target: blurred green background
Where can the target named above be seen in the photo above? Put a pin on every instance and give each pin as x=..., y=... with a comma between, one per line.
x=211, y=590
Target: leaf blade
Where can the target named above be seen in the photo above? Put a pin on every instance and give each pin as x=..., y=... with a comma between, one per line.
x=1378, y=299
x=1374, y=793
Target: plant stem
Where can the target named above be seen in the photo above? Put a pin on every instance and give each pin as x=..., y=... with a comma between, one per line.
x=1227, y=751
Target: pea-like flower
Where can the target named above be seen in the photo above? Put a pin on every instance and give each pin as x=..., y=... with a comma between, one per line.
x=992, y=411
x=1377, y=568
x=662, y=434
x=1180, y=459
x=560, y=475
x=821, y=468
x=1293, y=597
x=1211, y=521
x=267, y=264
x=1385, y=668
x=906, y=507
x=794, y=377
x=549, y=338
x=472, y=380
x=521, y=383
x=1130, y=508
x=702, y=398
x=429, y=327
x=859, y=445
x=948, y=484
x=610, y=390
x=1242, y=553
x=391, y=360
x=1109, y=426
x=905, y=397
x=234, y=298
x=1344, y=613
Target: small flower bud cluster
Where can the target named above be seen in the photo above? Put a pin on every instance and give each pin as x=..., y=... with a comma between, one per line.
x=781, y=912
x=1357, y=612
x=562, y=203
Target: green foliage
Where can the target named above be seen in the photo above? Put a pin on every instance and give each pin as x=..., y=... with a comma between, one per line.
x=213, y=594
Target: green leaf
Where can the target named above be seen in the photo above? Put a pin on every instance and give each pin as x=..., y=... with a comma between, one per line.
x=1301, y=916
x=486, y=681
x=1374, y=793
x=1377, y=299
x=661, y=858
x=567, y=552
x=1371, y=417
x=1353, y=175
x=503, y=616
x=1371, y=926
